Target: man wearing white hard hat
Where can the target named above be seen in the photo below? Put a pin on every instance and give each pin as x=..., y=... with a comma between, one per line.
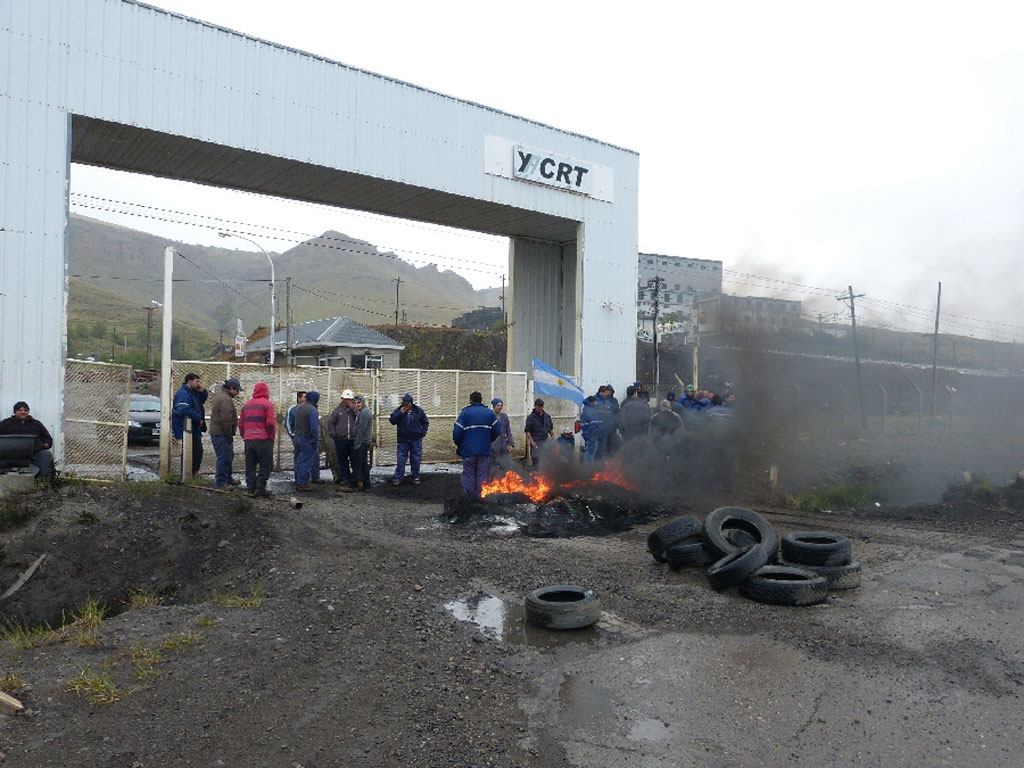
x=341, y=427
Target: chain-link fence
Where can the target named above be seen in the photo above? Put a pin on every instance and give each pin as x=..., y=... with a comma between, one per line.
x=96, y=419
x=442, y=394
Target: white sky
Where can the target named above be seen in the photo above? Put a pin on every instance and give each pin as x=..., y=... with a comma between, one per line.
x=807, y=144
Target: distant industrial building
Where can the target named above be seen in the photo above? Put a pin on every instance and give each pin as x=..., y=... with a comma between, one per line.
x=482, y=319
x=684, y=279
x=748, y=314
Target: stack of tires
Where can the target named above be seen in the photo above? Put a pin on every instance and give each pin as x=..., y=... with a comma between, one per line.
x=741, y=549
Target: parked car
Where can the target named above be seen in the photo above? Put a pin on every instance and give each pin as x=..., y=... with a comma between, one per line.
x=143, y=418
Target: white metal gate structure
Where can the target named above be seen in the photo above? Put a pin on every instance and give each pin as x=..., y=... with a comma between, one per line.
x=442, y=394
x=124, y=85
x=96, y=421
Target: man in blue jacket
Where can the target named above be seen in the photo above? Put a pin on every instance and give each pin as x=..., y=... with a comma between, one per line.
x=189, y=403
x=412, y=425
x=474, y=430
x=307, y=441
x=591, y=427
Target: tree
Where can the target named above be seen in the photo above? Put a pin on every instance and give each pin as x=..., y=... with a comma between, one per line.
x=224, y=317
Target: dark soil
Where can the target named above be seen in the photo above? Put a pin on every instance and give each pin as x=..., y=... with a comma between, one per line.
x=344, y=654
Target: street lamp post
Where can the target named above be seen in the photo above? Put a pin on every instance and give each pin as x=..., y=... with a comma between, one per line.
x=149, y=331
x=273, y=294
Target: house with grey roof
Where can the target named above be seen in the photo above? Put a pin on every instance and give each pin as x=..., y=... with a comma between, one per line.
x=334, y=341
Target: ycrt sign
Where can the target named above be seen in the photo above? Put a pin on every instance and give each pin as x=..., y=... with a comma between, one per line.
x=553, y=170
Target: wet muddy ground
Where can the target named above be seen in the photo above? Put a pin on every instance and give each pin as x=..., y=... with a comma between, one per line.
x=365, y=629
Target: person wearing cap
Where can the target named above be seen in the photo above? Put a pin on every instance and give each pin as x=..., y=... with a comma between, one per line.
x=539, y=428
x=257, y=424
x=604, y=400
x=412, y=423
x=363, y=439
x=189, y=402
x=503, y=442
x=566, y=443
x=22, y=423
x=475, y=429
x=341, y=427
x=307, y=436
x=689, y=398
x=223, y=425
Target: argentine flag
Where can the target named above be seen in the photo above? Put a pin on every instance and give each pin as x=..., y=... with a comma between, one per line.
x=547, y=381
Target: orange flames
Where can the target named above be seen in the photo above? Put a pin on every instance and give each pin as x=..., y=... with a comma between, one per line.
x=540, y=488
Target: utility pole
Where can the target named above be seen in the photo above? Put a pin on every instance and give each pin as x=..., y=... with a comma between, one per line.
x=856, y=352
x=398, y=284
x=504, y=317
x=935, y=353
x=148, y=337
x=656, y=284
x=288, y=318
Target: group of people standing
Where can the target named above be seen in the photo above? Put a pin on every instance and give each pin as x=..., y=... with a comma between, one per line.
x=605, y=424
x=482, y=435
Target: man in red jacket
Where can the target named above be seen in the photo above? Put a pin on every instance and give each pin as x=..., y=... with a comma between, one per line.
x=256, y=425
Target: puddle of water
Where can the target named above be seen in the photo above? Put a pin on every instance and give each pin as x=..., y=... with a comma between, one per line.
x=506, y=621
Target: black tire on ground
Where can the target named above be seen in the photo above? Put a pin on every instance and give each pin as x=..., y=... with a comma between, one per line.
x=562, y=606
x=687, y=552
x=785, y=585
x=725, y=519
x=737, y=566
x=664, y=536
x=816, y=548
x=837, y=576
x=740, y=538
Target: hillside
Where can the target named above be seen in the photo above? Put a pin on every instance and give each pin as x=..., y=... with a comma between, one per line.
x=116, y=273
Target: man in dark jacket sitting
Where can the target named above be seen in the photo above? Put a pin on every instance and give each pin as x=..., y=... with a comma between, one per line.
x=474, y=430
x=23, y=424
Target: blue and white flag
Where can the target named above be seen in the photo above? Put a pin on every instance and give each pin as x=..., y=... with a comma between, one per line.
x=548, y=381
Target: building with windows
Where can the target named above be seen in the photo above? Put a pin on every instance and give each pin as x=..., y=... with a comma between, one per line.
x=685, y=279
x=748, y=314
x=334, y=341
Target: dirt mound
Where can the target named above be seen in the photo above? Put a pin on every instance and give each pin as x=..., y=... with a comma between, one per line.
x=104, y=543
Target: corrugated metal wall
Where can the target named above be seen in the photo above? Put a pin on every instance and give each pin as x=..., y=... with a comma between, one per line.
x=115, y=83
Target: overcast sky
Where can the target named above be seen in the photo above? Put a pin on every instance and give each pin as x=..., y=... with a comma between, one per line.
x=808, y=145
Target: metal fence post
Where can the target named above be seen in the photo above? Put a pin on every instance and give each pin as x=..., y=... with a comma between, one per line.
x=186, y=451
x=885, y=404
x=920, y=408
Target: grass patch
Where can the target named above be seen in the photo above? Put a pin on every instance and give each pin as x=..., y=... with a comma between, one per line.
x=183, y=643
x=86, y=517
x=12, y=683
x=841, y=496
x=144, y=661
x=85, y=623
x=206, y=621
x=140, y=598
x=23, y=636
x=97, y=688
x=13, y=513
x=254, y=600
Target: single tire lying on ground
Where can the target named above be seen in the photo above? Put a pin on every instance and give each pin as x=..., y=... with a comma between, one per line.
x=785, y=585
x=816, y=548
x=737, y=566
x=836, y=576
x=720, y=522
x=664, y=536
x=562, y=606
x=687, y=552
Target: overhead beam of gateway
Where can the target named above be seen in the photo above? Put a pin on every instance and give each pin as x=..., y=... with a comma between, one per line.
x=106, y=82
